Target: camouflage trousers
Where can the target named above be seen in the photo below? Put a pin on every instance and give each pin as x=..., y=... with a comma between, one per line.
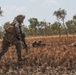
x=6, y=45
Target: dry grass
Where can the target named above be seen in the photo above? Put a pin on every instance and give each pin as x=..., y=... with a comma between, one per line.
x=48, y=59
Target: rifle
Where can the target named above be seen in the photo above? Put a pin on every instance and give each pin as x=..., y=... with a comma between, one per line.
x=23, y=39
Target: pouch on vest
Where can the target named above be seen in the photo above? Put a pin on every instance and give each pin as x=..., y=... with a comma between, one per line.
x=9, y=28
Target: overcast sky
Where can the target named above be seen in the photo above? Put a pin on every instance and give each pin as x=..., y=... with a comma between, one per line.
x=41, y=9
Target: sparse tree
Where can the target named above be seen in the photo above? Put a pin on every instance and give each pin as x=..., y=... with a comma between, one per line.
x=33, y=24
x=74, y=17
x=55, y=27
x=1, y=12
x=60, y=15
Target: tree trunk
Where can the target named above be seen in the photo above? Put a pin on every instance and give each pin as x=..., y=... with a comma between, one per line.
x=59, y=29
x=65, y=29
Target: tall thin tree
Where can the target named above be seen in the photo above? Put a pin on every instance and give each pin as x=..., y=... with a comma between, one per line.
x=60, y=14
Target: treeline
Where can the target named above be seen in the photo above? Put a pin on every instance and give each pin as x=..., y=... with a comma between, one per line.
x=46, y=28
x=59, y=27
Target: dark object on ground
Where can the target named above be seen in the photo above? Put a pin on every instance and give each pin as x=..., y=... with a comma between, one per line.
x=37, y=43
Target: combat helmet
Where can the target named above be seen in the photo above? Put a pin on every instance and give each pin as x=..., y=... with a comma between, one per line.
x=20, y=18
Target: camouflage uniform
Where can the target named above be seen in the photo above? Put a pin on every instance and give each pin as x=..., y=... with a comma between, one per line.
x=13, y=37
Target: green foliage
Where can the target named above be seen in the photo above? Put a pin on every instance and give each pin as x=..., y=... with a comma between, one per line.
x=74, y=17
x=1, y=12
x=71, y=26
x=33, y=24
x=60, y=14
x=56, y=28
x=1, y=32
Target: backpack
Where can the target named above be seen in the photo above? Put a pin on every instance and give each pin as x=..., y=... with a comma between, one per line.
x=9, y=33
x=9, y=28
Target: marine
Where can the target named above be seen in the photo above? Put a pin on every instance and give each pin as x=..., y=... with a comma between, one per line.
x=12, y=36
